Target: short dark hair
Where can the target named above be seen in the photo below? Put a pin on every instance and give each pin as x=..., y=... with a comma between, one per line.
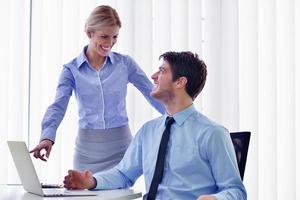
x=187, y=64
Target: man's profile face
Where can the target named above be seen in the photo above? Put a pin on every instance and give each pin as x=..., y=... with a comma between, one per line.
x=163, y=84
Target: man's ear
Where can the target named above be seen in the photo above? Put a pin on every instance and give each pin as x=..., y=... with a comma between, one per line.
x=181, y=82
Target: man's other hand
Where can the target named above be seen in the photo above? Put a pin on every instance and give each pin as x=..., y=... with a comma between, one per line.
x=79, y=180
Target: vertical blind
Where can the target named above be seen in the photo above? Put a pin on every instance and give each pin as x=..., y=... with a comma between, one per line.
x=251, y=49
x=14, y=79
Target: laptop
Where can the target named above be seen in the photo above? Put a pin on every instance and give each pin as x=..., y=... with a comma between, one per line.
x=29, y=178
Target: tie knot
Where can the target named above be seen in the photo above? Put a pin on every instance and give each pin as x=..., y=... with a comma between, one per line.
x=169, y=121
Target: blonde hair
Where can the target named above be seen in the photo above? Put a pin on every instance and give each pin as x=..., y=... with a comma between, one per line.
x=102, y=16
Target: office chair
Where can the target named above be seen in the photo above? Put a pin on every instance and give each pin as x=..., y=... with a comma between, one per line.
x=240, y=142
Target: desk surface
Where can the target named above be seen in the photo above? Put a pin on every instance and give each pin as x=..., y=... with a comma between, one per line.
x=16, y=192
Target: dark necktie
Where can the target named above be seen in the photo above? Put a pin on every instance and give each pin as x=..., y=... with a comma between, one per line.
x=159, y=167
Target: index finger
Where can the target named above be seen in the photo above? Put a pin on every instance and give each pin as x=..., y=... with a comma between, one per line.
x=34, y=149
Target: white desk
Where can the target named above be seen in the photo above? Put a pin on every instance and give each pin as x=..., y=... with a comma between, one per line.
x=16, y=192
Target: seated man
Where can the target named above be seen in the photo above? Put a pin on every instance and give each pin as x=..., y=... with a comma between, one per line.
x=191, y=157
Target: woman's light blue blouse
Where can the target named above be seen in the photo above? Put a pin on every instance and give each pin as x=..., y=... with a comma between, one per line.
x=100, y=94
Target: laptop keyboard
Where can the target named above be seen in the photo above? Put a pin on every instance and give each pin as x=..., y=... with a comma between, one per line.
x=46, y=185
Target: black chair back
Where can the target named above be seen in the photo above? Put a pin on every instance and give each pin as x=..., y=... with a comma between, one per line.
x=240, y=142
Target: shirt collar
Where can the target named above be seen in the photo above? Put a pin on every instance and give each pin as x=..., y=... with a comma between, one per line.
x=181, y=116
x=82, y=58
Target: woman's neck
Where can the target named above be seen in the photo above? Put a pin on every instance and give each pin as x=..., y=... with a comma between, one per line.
x=94, y=59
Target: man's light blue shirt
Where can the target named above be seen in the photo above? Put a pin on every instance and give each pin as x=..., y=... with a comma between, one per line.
x=100, y=94
x=200, y=160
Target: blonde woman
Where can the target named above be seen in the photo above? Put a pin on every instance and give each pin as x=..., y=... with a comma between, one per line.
x=99, y=79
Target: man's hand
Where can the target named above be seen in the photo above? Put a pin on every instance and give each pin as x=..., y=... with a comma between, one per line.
x=79, y=180
x=207, y=197
x=44, y=144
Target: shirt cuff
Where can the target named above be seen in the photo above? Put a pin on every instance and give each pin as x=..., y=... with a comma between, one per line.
x=49, y=134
